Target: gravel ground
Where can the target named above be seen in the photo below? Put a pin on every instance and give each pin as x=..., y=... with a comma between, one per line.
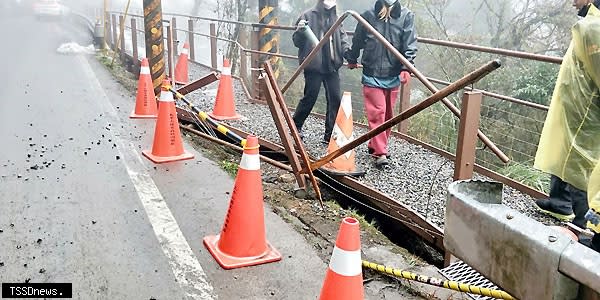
x=416, y=177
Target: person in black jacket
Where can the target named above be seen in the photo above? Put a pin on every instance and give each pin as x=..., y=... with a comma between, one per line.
x=325, y=65
x=381, y=68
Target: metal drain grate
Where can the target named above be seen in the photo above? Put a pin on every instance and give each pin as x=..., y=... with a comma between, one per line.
x=461, y=272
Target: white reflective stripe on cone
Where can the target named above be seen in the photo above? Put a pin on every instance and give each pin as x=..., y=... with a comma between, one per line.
x=227, y=71
x=185, y=51
x=346, y=263
x=166, y=96
x=346, y=105
x=145, y=70
x=250, y=162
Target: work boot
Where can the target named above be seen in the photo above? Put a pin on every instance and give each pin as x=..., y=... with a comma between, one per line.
x=381, y=162
x=579, y=204
x=371, y=151
x=553, y=207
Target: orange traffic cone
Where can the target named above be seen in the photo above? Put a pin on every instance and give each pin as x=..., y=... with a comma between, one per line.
x=145, y=101
x=181, y=68
x=167, y=144
x=242, y=241
x=344, y=275
x=224, y=107
x=343, y=134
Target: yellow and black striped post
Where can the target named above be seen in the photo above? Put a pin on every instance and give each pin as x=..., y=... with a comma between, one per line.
x=206, y=118
x=155, y=46
x=268, y=38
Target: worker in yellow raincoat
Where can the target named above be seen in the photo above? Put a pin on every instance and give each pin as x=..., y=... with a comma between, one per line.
x=569, y=147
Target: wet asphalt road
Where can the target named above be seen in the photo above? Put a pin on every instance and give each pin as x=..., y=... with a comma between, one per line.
x=78, y=204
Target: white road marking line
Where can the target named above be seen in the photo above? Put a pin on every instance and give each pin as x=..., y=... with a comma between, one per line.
x=185, y=266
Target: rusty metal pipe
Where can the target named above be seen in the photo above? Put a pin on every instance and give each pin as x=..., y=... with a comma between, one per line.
x=506, y=52
x=236, y=147
x=283, y=27
x=518, y=54
x=404, y=61
x=170, y=54
x=288, y=118
x=461, y=83
x=498, y=96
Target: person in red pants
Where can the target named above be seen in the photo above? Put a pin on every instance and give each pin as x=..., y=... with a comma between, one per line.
x=382, y=71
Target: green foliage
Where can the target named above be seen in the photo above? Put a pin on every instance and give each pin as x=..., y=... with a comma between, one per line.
x=435, y=125
x=104, y=59
x=364, y=223
x=527, y=175
x=230, y=167
x=535, y=82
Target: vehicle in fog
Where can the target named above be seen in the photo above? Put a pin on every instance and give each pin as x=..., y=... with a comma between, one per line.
x=49, y=8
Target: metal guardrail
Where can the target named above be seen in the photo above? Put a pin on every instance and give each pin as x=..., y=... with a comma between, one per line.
x=527, y=258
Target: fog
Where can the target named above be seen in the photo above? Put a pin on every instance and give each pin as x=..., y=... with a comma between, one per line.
x=136, y=6
x=171, y=6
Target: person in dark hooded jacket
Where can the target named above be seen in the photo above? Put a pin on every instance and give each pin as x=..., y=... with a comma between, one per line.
x=324, y=66
x=380, y=67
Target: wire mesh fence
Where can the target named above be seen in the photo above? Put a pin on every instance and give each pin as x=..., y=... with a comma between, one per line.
x=513, y=128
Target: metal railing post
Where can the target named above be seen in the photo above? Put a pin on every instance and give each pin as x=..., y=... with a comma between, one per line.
x=134, y=45
x=171, y=66
x=174, y=35
x=114, y=32
x=256, y=64
x=213, y=45
x=108, y=31
x=191, y=39
x=122, y=37
x=467, y=135
x=243, y=40
x=588, y=293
